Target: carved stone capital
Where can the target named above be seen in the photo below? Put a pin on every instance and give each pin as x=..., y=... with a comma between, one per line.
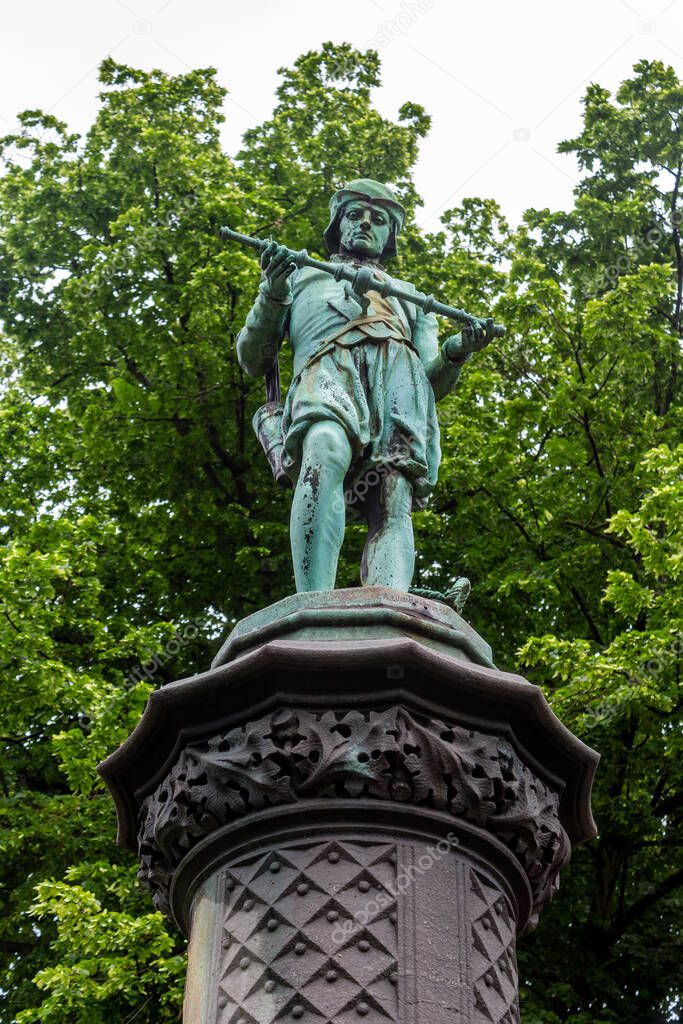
x=385, y=754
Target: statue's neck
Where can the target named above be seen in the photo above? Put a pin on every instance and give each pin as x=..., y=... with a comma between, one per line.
x=360, y=261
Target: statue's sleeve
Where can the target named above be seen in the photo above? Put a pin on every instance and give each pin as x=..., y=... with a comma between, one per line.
x=426, y=336
x=441, y=372
x=264, y=329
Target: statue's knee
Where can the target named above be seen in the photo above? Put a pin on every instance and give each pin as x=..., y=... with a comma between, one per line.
x=326, y=444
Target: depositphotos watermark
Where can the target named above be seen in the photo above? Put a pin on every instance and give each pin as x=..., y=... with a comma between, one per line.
x=407, y=873
x=405, y=17
x=608, y=276
x=649, y=670
x=180, y=639
x=399, y=454
x=143, y=242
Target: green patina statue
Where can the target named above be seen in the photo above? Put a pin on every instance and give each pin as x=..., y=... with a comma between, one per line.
x=358, y=431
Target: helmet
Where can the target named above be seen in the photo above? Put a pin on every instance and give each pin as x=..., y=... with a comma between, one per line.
x=371, y=192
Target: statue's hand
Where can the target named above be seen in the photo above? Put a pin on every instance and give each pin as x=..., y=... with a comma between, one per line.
x=473, y=337
x=276, y=268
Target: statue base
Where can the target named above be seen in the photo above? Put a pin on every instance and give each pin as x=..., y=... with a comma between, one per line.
x=359, y=614
x=353, y=814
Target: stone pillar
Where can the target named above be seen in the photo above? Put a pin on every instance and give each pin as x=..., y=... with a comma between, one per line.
x=353, y=815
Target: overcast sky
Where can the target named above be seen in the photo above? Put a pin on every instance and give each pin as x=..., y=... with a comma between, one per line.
x=503, y=81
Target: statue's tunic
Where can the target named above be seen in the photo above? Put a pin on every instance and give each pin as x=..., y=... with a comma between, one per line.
x=363, y=370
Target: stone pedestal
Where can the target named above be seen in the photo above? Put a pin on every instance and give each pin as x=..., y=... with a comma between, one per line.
x=353, y=815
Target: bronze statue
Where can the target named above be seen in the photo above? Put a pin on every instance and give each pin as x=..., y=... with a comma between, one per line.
x=358, y=430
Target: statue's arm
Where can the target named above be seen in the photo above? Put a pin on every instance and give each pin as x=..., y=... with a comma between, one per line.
x=264, y=329
x=442, y=370
x=444, y=365
x=268, y=319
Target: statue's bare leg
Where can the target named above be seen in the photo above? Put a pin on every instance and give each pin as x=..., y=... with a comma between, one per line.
x=389, y=555
x=318, y=509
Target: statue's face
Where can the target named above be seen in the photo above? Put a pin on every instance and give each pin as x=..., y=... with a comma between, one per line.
x=364, y=230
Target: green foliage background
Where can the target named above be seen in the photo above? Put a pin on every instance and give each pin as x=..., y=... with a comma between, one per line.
x=138, y=517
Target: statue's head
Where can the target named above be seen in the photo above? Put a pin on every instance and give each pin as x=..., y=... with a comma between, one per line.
x=365, y=218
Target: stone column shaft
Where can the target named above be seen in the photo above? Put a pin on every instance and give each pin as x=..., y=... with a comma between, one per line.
x=353, y=923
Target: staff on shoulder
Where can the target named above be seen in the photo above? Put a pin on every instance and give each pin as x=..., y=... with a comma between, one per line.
x=364, y=279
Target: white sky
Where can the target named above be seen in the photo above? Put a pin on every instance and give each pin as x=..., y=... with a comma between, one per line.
x=502, y=80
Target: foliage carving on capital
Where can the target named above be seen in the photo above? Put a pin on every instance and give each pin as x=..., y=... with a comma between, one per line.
x=393, y=754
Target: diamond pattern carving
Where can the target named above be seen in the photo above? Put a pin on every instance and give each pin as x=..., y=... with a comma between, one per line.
x=310, y=934
x=494, y=963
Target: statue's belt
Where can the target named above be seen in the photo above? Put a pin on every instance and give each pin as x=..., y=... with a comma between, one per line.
x=355, y=332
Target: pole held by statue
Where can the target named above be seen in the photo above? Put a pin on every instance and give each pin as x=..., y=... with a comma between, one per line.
x=364, y=279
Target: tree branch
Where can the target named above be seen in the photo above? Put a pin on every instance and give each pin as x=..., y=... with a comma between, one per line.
x=642, y=905
x=585, y=611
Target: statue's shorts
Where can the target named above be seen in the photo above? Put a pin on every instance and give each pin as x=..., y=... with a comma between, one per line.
x=379, y=393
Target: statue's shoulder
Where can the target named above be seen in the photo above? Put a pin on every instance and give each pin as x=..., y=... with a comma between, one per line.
x=306, y=277
x=407, y=285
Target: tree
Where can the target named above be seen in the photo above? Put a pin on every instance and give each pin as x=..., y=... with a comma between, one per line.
x=132, y=487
